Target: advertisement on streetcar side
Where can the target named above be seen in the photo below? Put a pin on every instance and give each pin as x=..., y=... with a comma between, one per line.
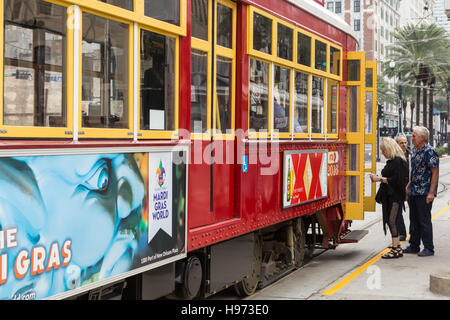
x=71, y=222
x=304, y=176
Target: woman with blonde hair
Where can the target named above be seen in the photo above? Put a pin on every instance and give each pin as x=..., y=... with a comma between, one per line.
x=392, y=191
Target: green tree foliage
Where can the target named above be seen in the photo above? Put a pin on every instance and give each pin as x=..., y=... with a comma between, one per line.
x=422, y=58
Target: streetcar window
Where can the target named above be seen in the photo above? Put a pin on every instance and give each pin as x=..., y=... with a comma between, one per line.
x=301, y=103
x=353, y=93
x=164, y=10
x=199, y=10
x=199, y=97
x=105, y=73
x=317, y=105
x=369, y=78
x=262, y=33
x=224, y=91
x=281, y=99
x=259, y=95
x=321, y=56
x=352, y=189
x=34, y=90
x=157, y=81
x=368, y=156
x=353, y=70
x=304, y=49
x=335, y=61
x=368, y=118
x=353, y=157
x=224, y=26
x=284, y=42
x=332, y=109
x=125, y=4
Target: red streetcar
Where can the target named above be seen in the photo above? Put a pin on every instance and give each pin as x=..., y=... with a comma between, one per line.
x=168, y=147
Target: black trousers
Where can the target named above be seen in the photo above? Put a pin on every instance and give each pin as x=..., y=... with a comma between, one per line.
x=421, y=227
x=401, y=224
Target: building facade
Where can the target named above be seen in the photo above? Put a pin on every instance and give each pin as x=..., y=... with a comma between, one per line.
x=442, y=13
x=374, y=22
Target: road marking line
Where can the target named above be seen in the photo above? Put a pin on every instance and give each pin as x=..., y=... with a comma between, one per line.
x=362, y=268
x=440, y=212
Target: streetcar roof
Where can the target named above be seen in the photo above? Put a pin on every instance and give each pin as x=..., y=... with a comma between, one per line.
x=326, y=15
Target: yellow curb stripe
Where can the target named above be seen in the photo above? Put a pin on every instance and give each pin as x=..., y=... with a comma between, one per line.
x=354, y=274
x=440, y=212
x=362, y=268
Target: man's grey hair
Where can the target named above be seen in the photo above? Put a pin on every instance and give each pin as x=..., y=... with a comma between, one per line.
x=400, y=135
x=423, y=132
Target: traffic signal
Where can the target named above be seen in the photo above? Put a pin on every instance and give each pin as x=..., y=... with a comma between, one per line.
x=380, y=111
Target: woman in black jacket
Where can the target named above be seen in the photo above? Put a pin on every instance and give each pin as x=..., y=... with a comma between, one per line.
x=392, y=191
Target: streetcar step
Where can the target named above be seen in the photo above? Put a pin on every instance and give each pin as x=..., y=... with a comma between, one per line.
x=354, y=236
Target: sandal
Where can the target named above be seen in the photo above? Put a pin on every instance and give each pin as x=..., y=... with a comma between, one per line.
x=394, y=253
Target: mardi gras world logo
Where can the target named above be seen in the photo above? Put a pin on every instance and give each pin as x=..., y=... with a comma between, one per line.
x=160, y=173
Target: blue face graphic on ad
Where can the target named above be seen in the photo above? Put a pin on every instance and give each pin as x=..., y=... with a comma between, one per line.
x=66, y=221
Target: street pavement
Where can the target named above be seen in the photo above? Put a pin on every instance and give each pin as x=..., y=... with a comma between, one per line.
x=355, y=271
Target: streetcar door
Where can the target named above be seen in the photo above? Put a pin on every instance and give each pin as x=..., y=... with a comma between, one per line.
x=354, y=167
x=213, y=64
x=370, y=135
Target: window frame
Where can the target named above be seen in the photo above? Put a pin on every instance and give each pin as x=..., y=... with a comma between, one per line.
x=282, y=135
x=159, y=134
x=136, y=21
x=273, y=60
x=256, y=134
x=303, y=135
x=124, y=133
x=137, y=15
x=230, y=53
x=10, y=131
x=318, y=135
x=328, y=133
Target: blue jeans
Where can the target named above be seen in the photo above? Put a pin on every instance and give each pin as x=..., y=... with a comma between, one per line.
x=421, y=227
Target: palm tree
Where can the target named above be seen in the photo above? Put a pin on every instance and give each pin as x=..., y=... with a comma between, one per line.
x=421, y=55
x=384, y=93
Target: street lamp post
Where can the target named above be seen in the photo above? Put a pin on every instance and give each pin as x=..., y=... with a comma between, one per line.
x=399, y=98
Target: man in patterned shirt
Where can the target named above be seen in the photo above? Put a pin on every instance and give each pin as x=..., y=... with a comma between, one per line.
x=421, y=191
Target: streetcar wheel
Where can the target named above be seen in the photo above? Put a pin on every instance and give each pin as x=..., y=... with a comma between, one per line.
x=248, y=285
x=299, y=242
x=190, y=286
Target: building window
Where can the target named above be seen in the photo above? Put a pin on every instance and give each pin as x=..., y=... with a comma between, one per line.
x=337, y=7
x=357, y=6
x=357, y=25
x=330, y=6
